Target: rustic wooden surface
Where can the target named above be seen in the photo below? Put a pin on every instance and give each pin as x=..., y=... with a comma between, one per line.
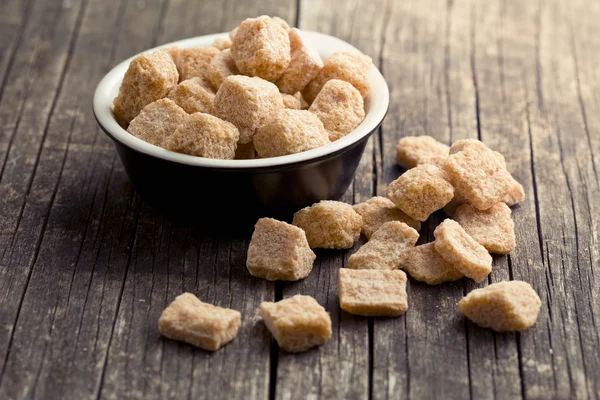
x=86, y=267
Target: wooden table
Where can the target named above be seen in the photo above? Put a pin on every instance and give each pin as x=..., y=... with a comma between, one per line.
x=86, y=267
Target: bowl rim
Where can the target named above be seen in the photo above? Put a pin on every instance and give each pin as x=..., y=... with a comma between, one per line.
x=325, y=46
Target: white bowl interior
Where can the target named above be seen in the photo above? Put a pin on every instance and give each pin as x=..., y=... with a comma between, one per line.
x=376, y=105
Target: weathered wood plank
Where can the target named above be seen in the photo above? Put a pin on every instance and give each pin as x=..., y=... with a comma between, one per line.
x=167, y=259
x=425, y=62
x=340, y=369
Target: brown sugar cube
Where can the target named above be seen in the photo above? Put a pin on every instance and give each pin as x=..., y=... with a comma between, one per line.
x=220, y=67
x=477, y=177
x=478, y=145
x=377, y=211
x=192, y=62
x=157, y=122
x=291, y=102
x=305, y=64
x=329, y=224
x=515, y=193
x=340, y=107
x=149, y=77
x=193, y=95
x=281, y=22
x=233, y=33
x=204, y=135
x=247, y=103
x=457, y=247
x=279, y=251
x=373, y=293
x=289, y=132
x=200, y=324
x=222, y=43
x=420, y=191
x=414, y=150
x=493, y=228
x=425, y=264
x=261, y=47
x=386, y=247
x=503, y=306
x=245, y=152
x=297, y=323
x=350, y=67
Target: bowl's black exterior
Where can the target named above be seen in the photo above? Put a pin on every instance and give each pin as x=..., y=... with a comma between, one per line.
x=221, y=197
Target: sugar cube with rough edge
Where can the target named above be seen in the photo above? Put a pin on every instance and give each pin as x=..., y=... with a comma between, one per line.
x=220, y=67
x=297, y=323
x=340, y=107
x=157, y=121
x=279, y=251
x=291, y=102
x=261, y=47
x=304, y=66
x=478, y=145
x=192, y=62
x=289, y=132
x=386, y=247
x=457, y=247
x=378, y=210
x=200, y=324
x=353, y=68
x=420, y=191
x=204, y=135
x=193, y=95
x=373, y=293
x=414, y=150
x=425, y=264
x=281, y=22
x=245, y=152
x=329, y=224
x=222, y=43
x=493, y=228
x=247, y=103
x=477, y=177
x=503, y=306
x=303, y=104
x=515, y=193
x=149, y=77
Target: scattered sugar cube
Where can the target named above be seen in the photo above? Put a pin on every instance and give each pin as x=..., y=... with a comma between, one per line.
x=477, y=177
x=220, y=67
x=192, y=62
x=420, y=191
x=415, y=150
x=149, y=77
x=478, y=145
x=289, y=132
x=425, y=264
x=350, y=67
x=378, y=210
x=247, y=103
x=279, y=251
x=503, y=306
x=193, y=95
x=386, y=247
x=493, y=228
x=373, y=293
x=204, y=135
x=157, y=122
x=515, y=193
x=340, y=107
x=245, y=152
x=305, y=64
x=200, y=324
x=291, y=102
x=222, y=43
x=297, y=323
x=261, y=47
x=329, y=224
x=462, y=251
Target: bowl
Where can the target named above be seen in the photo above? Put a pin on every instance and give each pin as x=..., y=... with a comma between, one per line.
x=227, y=191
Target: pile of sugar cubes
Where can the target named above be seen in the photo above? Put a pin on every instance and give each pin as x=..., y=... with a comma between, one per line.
x=468, y=181
x=265, y=92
